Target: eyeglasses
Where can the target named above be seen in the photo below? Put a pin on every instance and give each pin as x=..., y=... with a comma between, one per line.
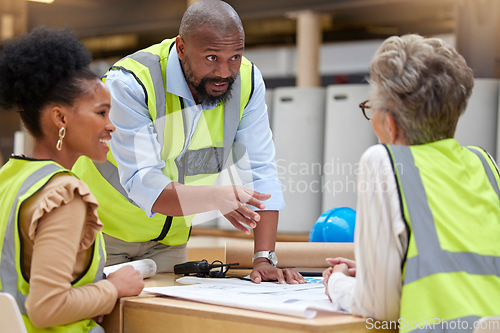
x=367, y=109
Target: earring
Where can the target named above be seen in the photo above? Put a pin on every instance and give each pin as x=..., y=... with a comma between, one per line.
x=62, y=134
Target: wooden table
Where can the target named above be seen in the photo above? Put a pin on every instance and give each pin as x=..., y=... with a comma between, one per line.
x=147, y=313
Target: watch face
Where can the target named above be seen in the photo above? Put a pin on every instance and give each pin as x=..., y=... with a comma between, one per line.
x=273, y=257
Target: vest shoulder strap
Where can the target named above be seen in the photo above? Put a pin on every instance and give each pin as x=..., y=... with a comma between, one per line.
x=489, y=169
x=431, y=258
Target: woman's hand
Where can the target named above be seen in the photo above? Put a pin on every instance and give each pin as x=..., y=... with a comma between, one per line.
x=351, y=265
x=342, y=265
x=127, y=281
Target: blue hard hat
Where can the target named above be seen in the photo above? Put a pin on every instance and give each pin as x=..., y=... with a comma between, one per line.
x=334, y=225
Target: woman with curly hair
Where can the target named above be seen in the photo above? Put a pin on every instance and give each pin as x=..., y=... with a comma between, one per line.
x=52, y=252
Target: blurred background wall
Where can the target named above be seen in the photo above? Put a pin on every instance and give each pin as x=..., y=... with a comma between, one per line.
x=314, y=56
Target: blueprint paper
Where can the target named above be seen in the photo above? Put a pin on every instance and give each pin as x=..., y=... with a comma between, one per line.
x=299, y=300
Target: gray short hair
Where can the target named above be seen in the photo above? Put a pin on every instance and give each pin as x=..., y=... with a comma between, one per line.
x=423, y=83
x=212, y=14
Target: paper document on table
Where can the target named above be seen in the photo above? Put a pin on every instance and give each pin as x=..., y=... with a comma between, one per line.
x=300, y=300
x=234, y=280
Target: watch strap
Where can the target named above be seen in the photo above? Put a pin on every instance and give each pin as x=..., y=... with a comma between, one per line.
x=269, y=255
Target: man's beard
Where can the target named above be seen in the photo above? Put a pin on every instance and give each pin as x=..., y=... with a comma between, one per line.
x=205, y=98
x=201, y=91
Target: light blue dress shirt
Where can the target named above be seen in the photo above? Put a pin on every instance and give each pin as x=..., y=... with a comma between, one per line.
x=137, y=151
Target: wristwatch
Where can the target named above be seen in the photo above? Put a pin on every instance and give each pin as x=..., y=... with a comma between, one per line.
x=269, y=255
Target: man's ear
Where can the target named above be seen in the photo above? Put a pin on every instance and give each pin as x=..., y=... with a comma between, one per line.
x=180, y=47
x=58, y=116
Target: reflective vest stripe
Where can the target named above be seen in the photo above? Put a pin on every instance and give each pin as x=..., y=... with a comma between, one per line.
x=425, y=234
x=488, y=170
x=152, y=62
x=418, y=208
x=431, y=259
x=203, y=161
x=448, y=262
x=110, y=173
x=8, y=272
x=102, y=255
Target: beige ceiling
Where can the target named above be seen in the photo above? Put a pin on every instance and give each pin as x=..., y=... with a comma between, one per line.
x=115, y=27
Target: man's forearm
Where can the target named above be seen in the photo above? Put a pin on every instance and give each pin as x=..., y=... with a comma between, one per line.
x=181, y=200
x=266, y=230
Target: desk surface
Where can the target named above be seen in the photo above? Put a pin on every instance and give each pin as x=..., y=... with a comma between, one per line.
x=147, y=313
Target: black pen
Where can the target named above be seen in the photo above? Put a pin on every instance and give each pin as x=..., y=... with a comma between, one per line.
x=243, y=278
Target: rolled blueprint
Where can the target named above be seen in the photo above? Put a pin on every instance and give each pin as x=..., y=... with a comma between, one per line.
x=147, y=267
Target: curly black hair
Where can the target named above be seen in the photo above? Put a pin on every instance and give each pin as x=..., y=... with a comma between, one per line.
x=41, y=67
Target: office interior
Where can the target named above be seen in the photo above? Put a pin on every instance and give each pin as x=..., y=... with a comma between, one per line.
x=314, y=56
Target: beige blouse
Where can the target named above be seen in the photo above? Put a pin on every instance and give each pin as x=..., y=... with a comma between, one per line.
x=58, y=226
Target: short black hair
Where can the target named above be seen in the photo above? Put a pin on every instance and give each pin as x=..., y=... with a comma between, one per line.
x=41, y=67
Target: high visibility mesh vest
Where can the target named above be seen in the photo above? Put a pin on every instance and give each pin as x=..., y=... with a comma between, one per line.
x=19, y=180
x=198, y=164
x=451, y=202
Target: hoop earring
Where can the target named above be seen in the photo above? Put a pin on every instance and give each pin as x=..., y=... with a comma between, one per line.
x=62, y=134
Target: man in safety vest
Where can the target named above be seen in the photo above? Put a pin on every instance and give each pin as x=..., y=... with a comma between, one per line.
x=182, y=109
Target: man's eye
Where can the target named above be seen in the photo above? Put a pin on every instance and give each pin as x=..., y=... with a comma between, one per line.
x=211, y=58
x=236, y=57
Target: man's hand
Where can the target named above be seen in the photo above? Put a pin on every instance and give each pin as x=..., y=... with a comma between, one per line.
x=264, y=271
x=231, y=201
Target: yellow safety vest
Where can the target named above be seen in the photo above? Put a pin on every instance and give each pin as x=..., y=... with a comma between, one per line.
x=451, y=203
x=19, y=180
x=198, y=164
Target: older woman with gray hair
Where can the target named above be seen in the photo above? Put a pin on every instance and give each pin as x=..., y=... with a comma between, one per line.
x=428, y=214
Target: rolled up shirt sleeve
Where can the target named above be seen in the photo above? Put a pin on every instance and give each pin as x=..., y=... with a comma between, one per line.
x=341, y=289
x=254, y=134
x=135, y=145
